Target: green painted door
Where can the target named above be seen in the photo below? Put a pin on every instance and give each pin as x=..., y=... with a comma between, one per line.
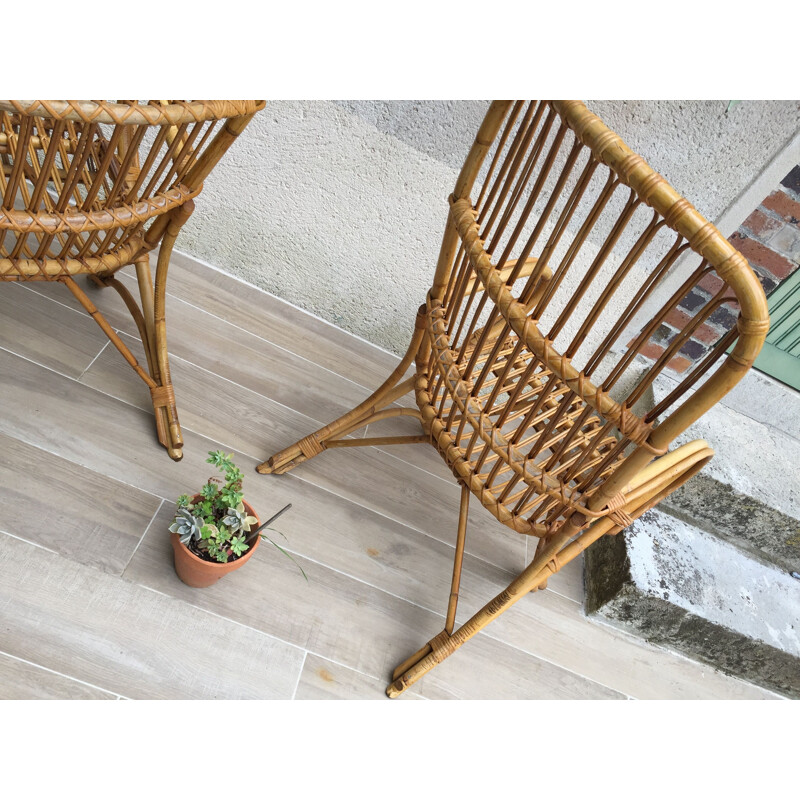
x=780, y=356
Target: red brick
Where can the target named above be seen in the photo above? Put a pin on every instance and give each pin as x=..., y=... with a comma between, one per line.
x=706, y=334
x=760, y=255
x=712, y=284
x=784, y=206
x=651, y=350
x=762, y=225
x=678, y=319
x=679, y=364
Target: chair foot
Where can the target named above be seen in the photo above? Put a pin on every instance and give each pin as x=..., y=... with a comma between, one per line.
x=276, y=465
x=411, y=661
x=168, y=428
x=157, y=376
x=438, y=648
x=424, y=660
x=288, y=458
x=168, y=431
x=559, y=550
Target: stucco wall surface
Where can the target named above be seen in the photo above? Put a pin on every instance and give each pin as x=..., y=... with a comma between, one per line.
x=339, y=207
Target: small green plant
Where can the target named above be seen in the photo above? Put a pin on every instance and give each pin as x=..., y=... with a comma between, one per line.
x=214, y=524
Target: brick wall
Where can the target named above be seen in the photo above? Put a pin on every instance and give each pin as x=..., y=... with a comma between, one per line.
x=770, y=240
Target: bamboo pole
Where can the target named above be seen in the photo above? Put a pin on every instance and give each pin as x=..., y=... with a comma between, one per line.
x=458, y=560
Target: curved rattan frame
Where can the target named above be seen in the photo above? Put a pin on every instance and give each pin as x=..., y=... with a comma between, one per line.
x=95, y=200
x=556, y=407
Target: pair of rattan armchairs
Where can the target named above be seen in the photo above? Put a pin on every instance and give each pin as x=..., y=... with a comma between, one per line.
x=565, y=259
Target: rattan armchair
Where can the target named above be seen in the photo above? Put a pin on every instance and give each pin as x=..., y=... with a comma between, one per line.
x=90, y=187
x=551, y=286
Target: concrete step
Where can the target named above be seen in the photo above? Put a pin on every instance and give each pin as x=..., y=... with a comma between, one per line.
x=714, y=571
x=709, y=573
x=762, y=532
x=680, y=587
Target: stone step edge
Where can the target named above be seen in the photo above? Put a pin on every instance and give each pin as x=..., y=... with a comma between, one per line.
x=748, y=524
x=614, y=598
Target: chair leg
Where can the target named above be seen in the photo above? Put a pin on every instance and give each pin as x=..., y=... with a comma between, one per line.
x=452, y=604
x=557, y=552
x=455, y=584
x=164, y=397
x=539, y=547
x=152, y=334
x=367, y=412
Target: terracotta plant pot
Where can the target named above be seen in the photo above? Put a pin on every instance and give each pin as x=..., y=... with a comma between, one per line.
x=197, y=572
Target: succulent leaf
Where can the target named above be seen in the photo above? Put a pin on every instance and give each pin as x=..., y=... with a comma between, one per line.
x=209, y=491
x=237, y=519
x=238, y=545
x=209, y=531
x=187, y=527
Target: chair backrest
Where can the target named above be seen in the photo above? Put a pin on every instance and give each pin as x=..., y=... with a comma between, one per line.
x=82, y=179
x=563, y=256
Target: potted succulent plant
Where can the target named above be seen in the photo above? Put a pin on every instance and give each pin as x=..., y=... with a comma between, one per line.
x=216, y=531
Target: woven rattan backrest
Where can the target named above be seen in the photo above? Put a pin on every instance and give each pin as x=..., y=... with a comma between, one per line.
x=82, y=179
x=564, y=253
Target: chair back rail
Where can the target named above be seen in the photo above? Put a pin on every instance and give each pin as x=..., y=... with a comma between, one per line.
x=82, y=183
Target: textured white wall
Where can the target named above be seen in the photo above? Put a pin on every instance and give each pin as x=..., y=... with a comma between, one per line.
x=339, y=207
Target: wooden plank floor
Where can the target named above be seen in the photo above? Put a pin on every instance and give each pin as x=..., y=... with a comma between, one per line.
x=91, y=608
